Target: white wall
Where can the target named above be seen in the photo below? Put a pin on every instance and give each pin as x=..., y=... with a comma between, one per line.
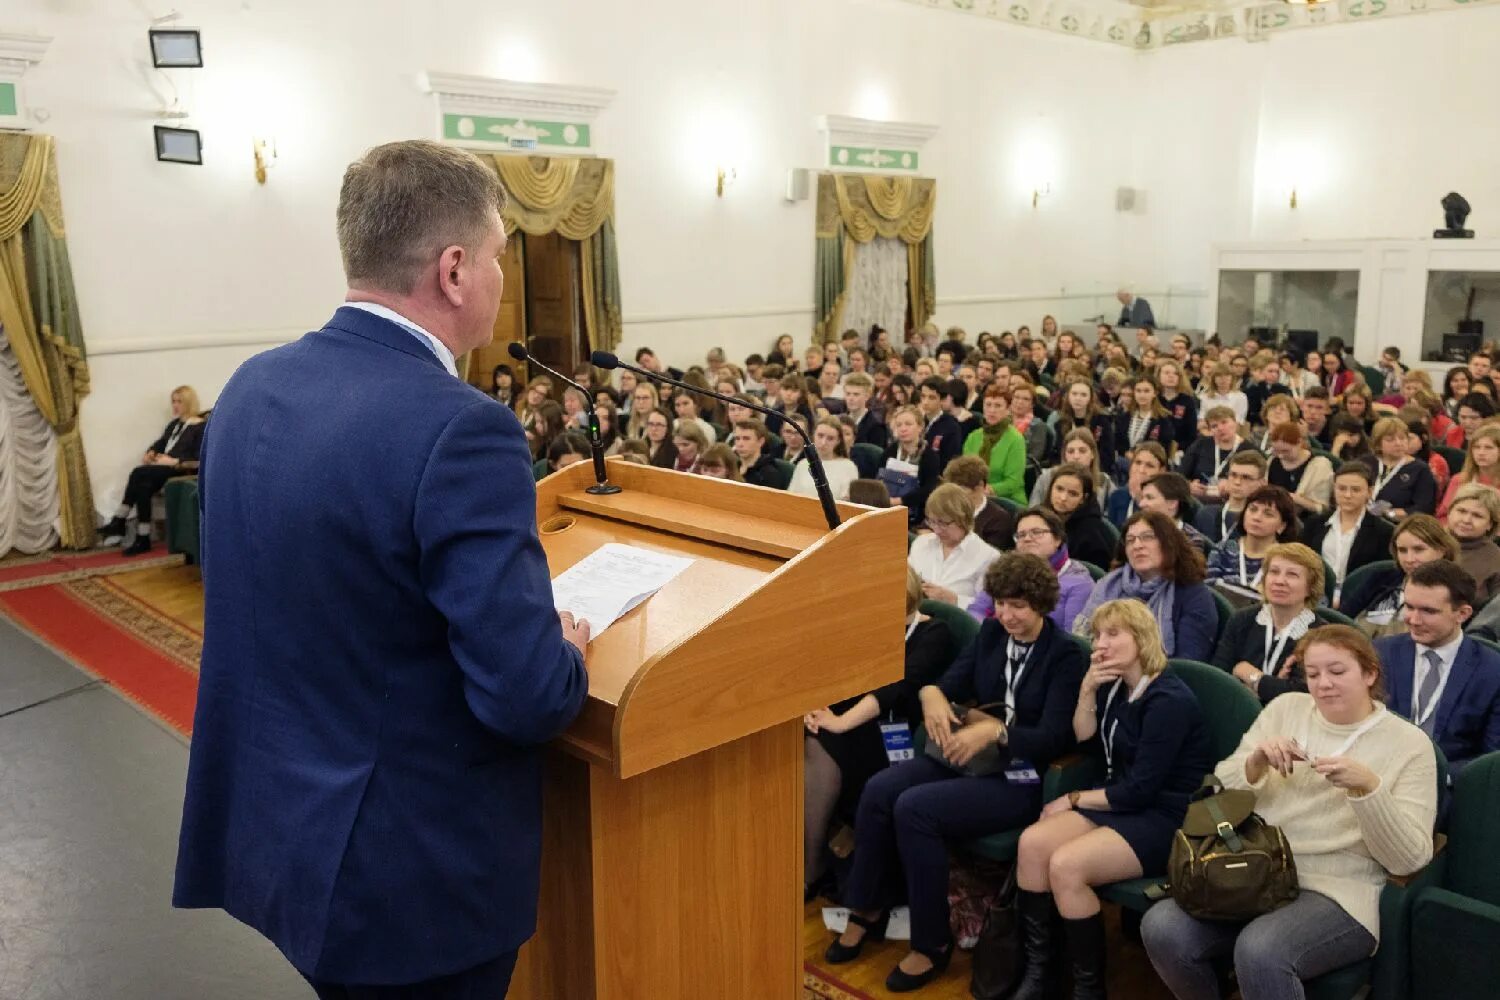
x=184, y=272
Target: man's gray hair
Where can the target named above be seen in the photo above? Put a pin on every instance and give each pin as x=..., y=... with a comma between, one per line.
x=402, y=203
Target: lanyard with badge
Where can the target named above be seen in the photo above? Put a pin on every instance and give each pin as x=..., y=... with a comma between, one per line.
x=1109, y=738
x=172, y=441
x=1271, y=660
x=1384, y=477
x=1018, y=770
x=897, y=735
x=1244, y=571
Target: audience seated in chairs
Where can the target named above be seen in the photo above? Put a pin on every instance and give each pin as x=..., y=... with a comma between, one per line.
x=1142, y=419
x=1218, y=521
x=720, y=462
x=1376, y=603
x=1403, y=485
x=547, y=422
x=1473, y=520
x=1026, y=672
x=869, y=426
x=1440, y=679
x=1156, y=747
x=950, y=559
x=567, y=449
x=690, y=441
x=660, y=449
x=1269, y=517
x=1146, y=460
x=911, y=467
x=172, y=454
x=1169, y=494
x=1078, y=448
x=828, y=439
x=1206, y=461
x=1001, y=446
x=1071, y=497
x=1293, y=467
x=1481, y=465
x=1349, y=537
x=757, y=466
x=1039, y=532
x=844, y=748
x=1258, y=641
x=1164, y=571
x=992, y=523
x=1353, y=788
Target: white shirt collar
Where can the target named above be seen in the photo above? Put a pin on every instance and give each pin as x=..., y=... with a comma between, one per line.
x=1298, y=626
x=1447, y=653
x=437, y=346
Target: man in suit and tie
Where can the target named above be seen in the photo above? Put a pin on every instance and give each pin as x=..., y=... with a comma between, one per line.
x=382, y=661
x=1134, y=311
x=1445, y=682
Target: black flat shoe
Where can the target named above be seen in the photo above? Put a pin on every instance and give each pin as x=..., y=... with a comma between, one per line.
x=838, y=954
x=113, y=532
x=905, y=982
x=140, y=546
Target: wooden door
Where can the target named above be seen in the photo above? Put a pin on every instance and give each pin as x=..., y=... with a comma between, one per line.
x=554, y=303
x=510, y=323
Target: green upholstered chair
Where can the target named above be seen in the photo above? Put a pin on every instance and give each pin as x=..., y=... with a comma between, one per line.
x=1226, y=612
x=784, y=471
x=961, y=625
x=1330, y=582
x=1374, y=378
x=540, y=469
x=1331, y=617
x=1009, y=504
x=868, y=459
x=1369, y=569
x=1096, y=572
x=1453, y=456
x=181, y=500
x=1454, y=903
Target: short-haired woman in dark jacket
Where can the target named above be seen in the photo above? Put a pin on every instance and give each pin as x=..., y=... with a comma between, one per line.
x=1027, y=672
x=172, y=454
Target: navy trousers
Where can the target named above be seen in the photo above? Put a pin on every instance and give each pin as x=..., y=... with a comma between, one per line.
x=906, y=816
x=488, y=981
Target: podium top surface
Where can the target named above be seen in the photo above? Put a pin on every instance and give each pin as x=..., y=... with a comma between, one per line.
x=776, y=616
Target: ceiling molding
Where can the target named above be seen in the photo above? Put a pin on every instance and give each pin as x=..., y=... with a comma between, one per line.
x=1152, y=24
x=23, y=50
x=480, y=112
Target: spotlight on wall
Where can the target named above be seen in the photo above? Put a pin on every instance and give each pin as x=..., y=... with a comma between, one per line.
x=1042, y=190
x=265, y=158
x=179, y=145
x=727, y=176
x=176, y=48
x=1293, y=201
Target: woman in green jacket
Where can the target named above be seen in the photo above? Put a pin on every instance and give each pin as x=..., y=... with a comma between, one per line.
x=1001, y=446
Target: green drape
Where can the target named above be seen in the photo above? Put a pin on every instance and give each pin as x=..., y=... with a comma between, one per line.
x=39, y=311
x=857, y=208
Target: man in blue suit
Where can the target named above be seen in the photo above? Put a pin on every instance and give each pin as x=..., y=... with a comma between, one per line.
x=1445, y=682
x=381, y=660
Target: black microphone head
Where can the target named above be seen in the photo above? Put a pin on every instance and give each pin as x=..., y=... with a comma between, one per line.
x=517, y=351
x=605, y=360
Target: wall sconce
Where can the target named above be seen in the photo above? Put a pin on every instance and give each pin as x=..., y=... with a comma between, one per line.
x=726, y=178
x=1042, y=190
x=265, y=158
x=1292, y=202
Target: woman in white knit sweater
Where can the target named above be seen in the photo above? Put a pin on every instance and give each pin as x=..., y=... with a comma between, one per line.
x=1354, y=788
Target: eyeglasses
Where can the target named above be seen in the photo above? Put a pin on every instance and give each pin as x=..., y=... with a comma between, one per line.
x=1143, y=538
x=935, y=524
x=1026, y=536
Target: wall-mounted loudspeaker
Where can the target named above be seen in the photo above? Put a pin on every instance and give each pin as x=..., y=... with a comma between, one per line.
x=798, y=184
x=1130, y=200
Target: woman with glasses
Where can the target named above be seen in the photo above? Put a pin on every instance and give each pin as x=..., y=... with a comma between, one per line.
x=1164, y=571
x=950, y=558
x=660, y=451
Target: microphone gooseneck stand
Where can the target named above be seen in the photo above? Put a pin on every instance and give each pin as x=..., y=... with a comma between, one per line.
x=602, y=486
x=608, y=361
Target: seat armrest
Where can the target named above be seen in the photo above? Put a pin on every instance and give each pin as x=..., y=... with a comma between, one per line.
x=1074, y=772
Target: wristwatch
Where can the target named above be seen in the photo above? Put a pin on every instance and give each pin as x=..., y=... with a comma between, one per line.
x=1073, y=799
x=1002, y=734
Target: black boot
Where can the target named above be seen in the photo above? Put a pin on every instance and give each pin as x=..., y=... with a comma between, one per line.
x=1037, y=911
x=905, y=982
x=1085, y=940
x=140, y=546
x=114, y=531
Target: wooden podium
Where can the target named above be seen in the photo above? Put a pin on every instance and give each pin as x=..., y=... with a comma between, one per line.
x=672, y=830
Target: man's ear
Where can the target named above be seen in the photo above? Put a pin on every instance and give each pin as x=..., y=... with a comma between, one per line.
x=450, y=270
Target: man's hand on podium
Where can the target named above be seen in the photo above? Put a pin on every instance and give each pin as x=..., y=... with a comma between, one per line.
x=576, y=632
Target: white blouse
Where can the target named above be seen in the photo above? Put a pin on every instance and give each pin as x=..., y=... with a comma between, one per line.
x=962, y=572
x=840, y=471
x=1234, y=399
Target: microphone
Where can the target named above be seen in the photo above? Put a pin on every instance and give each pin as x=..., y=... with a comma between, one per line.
x=607, y=361
x=602, y=486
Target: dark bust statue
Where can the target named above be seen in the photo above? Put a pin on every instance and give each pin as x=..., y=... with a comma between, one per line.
x=1455, y=213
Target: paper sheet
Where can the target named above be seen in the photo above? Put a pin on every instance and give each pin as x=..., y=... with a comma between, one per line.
x=836, y=919
x=608, y=582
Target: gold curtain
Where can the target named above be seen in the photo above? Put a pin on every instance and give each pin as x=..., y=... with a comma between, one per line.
x=856, y=208
x=40, y=314
x=575, y=198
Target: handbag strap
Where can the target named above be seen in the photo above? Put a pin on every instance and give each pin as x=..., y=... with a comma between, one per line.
x=1225, y=828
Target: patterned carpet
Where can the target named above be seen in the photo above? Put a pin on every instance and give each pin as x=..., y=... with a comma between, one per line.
x=21, y=572
x=145, y=655
x=818, y=984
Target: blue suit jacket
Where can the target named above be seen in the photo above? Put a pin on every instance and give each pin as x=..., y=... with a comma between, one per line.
x=381, y=663
x=1467, y=724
